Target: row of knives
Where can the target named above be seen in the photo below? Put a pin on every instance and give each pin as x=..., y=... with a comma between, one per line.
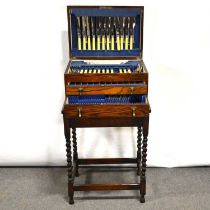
x=105, y=33
x=139, y=69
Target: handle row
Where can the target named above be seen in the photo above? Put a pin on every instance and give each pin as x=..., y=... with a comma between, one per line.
x=139, y=69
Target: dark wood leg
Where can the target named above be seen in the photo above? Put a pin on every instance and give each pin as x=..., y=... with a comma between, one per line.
x=75, y=154
x=139, y=134
x=144, y=160
x=69, y=161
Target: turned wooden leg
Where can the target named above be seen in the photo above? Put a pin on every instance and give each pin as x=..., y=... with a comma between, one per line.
x=139, y=134
x=75, y=154
x=144, y=160
x=70, y=171
x=69, y=161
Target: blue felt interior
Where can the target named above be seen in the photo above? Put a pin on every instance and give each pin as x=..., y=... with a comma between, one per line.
x=105, y=12
x=106, y=99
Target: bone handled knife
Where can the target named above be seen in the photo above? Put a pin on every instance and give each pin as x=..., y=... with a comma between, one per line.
x=84, y=34
x=98, y=32
x=127, y=22
x=88, y=32
x=112, y=32
x=117, y=28
x=108, y=25
x=131, y=31
x=122, y=24
x=103, y=32
x=79, y=44
x=93, y=33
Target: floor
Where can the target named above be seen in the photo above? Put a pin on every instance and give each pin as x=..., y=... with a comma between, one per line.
x=46, y=188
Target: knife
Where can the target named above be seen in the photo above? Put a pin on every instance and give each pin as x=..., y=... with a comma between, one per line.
x=88, y=32
x=112, y=32
x=84, y=32
x=121, y=25
x=78, y=33
x=131, y=31
x=116, y=22
x=98, y=32
x=103, y=32
x=108, y=24
x=93, y=33
x=127, y=22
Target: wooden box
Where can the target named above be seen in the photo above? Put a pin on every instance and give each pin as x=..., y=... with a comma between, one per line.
x=89, y=73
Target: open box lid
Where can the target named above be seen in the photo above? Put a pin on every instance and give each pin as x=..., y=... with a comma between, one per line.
x=105, y=11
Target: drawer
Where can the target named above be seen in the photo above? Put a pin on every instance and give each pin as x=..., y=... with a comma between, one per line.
x=105, y=108
x=106, y=88
x=140, y=77
x=133, y=76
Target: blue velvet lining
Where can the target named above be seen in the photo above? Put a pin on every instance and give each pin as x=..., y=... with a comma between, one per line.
x=106, y=99
x=105, y=12
x=83, y=63
x=111, y=53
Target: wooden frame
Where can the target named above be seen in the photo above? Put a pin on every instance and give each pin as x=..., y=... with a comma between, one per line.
x=73, y=164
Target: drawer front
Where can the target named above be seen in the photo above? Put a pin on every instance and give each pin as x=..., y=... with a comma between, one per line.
x=134, y=77
x=108, y=90
x=111, y=110
x=105, y=122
